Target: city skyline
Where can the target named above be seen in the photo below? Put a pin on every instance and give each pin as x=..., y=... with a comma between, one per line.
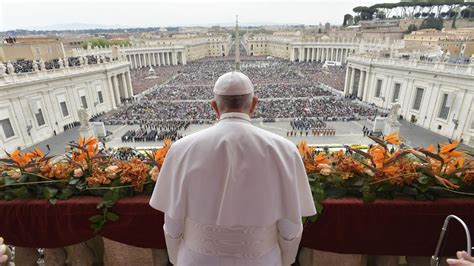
x=88, y=14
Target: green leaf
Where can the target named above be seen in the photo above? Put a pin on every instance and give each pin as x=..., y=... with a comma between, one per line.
x=9, y=181
x=73, y=182
x=23, y=179
x=111, y=195
x=423, y=179
x=96, y=219
x=32, y=178
x=50, y=192
x=335, y=193
x=65, y=194
x=112, y=216
x=53, y=201
x=20, y=192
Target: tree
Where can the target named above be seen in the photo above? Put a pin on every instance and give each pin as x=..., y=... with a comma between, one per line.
x=102, y=42
x=381, y=15
x=411, y=28
x=364, y=12
x=467, y=12
x=347, y=18
x=356, y=19
x=432, y=23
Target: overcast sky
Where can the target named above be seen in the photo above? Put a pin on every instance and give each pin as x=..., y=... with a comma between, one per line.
x=31, y=14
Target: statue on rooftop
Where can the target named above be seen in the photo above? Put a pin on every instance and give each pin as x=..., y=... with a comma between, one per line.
x=10, y=68
x=60, y=63
x=35, y=66
x=2, y=69
x=42, y=65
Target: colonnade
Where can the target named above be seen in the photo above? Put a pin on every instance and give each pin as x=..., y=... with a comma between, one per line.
x=147, y=59
x=121, y=88
x=356, y=83
x=322, y=54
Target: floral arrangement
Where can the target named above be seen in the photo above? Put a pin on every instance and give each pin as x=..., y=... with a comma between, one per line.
x=383, y=172
x=84, y=170
x=387, y=169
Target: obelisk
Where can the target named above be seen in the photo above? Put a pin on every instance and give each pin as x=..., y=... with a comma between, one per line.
x=237, y=44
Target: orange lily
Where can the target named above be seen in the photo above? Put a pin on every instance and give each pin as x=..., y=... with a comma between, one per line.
x=21, y=159
x=393, y=138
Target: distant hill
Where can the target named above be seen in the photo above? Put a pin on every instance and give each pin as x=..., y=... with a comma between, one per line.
x=77, y=26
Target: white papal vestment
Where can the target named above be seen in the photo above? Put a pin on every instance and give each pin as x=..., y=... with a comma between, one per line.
x=233, y=194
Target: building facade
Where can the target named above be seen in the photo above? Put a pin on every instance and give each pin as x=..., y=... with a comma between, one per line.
x=435, y=95
x=34, y=48
x=168, y=51
x=309, y=50
x=34, y=106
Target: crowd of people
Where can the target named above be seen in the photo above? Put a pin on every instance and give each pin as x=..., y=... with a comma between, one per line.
x=285, y=90
x=156, y=131
x=25, y=66
x=143, y=80
x=333, y=76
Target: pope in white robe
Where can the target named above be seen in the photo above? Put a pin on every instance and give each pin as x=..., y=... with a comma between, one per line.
x=233, y=194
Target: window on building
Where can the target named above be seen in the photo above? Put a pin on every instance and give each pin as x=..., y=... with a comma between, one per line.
x=84, y=102
x=444, y=110
x=418, y=98
x=378, y=89
x=39, y=117
x=99, y=95
x=37, y=49
x=7, y=128
x=50, y=51
x=396, y=92
x=64, y=109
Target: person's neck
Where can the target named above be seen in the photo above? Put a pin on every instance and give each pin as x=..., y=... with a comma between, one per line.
x=240, y=115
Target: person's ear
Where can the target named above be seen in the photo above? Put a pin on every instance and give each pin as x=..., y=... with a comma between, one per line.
x=214, y=107
x=253, y=107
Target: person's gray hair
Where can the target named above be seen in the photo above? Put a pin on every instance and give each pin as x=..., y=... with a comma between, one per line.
x=233, y=102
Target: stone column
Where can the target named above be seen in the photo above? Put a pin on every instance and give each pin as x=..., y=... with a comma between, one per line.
x=116, y=90
x=318, y=53
x=129, y=84
x=111, y=93
x=351, y=83
x=300, y=56
x=153, y=59
x=175, y=58
x=361, y=84
x=124, y=86
x=366, y=87
x=183, y=57
x=346, y=83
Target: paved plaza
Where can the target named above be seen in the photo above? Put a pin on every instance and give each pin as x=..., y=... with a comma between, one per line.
x=347, y=133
